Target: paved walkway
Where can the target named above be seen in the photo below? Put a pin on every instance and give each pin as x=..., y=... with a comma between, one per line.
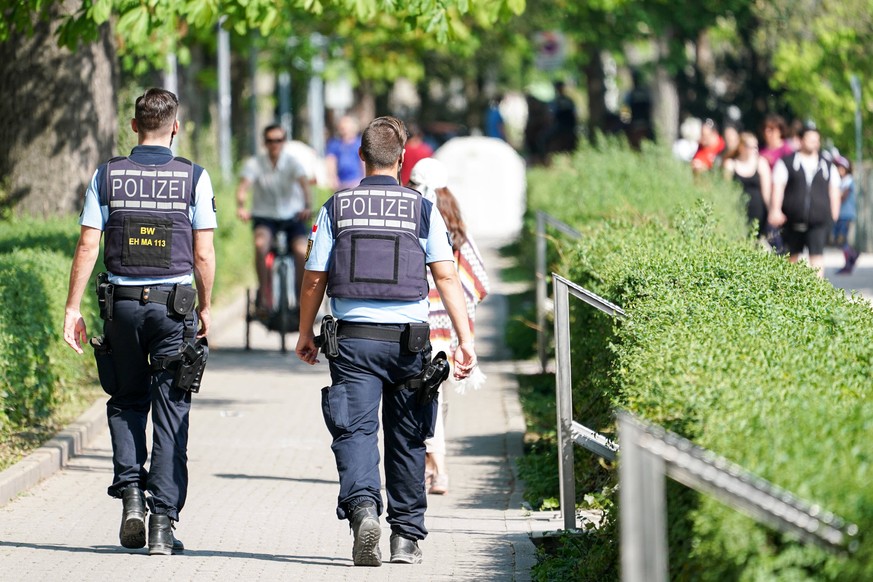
x=264, y=485
x=263, y=482
x=861, y=279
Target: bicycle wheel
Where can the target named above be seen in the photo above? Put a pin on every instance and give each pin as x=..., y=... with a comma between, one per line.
x=284, y=310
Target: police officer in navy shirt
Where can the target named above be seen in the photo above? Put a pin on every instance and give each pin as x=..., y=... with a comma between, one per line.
x=368, y=249
x=158, y=214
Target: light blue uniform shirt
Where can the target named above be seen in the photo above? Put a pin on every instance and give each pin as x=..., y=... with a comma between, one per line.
x=437, y=247
x=202, y=213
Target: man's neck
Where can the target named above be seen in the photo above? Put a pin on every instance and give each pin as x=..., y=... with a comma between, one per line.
x=155, y=141
x=390, y=172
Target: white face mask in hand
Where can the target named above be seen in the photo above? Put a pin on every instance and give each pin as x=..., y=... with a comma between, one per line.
x=474, y=381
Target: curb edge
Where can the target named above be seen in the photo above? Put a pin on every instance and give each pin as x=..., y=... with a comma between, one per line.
x=54, y=455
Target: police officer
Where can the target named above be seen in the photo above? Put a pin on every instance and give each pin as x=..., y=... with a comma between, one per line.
x=158, y=213
x=368, y=249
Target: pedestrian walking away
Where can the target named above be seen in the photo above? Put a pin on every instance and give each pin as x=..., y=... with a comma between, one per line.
x=416, y=149
x=158, y=215
x=368, y=250
x=774, y=132
x=806, y=199
x=844, y=228
x=752, y=171
x=431, y=177
x=281, y=201
x=711, y=145
x=344, y=167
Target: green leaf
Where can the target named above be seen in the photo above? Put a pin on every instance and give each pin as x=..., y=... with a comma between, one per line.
x=101, y=10
x=517, y=6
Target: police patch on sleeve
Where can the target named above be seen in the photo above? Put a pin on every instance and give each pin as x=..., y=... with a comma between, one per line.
x=308, y=249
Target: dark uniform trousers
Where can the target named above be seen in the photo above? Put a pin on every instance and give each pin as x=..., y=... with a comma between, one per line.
x=365, y=372
x=136, y=332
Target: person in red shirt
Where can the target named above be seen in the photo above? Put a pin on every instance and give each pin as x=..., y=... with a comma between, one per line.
x=711, y=144
x=416, y=149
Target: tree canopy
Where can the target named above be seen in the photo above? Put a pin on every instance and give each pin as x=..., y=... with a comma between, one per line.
x=141, y=22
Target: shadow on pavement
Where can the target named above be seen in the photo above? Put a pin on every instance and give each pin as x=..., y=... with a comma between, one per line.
x=494, y=488
x=276, y=478
x=74, y=549
x=313, y=560
x=310, y=560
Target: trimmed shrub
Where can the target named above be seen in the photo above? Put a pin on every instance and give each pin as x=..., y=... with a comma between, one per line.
x=37, y=368
x=735, y=348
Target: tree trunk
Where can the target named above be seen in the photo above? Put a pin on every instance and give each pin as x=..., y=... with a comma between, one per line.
x=366, y=106
x=595, y=80
x=665, y=100
x=193, y=104
x=57, y=118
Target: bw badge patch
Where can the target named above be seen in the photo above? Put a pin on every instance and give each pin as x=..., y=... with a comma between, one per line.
x=308, y=249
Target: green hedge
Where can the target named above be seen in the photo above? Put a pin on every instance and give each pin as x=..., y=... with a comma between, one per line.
x=38, y=371
x=43, y=383
x=731, y=346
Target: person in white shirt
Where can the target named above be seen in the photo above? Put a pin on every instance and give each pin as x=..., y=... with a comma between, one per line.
x=282, y=201
x=806, y=199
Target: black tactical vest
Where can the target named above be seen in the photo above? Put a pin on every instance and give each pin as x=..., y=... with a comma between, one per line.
x=377, y=253
x=807, y=203
x=148, y=233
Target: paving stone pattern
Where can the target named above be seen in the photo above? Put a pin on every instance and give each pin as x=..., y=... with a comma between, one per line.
x=263, y=482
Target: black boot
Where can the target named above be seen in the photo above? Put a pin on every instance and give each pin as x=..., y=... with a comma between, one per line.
x=366, y=528
x=132, y=532
x=404, y=550
x=162, y=542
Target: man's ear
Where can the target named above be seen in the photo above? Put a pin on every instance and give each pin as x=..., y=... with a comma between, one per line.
x=133, y=125
x=361, y=154
x=175, y=127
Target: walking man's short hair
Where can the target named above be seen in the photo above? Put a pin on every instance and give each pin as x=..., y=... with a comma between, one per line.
x=274, y=127
x=383, y=141
x=156, y=110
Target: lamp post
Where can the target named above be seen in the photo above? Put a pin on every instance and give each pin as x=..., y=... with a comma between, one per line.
x=859, y=159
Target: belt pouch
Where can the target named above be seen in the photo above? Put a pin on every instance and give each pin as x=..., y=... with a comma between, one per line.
x=181, y=300
x=416, y=337
x=106, y=300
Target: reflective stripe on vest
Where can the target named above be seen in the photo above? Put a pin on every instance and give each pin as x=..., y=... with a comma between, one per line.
x=377, y=253
x=148, y=233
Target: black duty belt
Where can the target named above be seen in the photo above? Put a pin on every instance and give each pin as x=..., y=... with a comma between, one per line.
x=144, y=294
x=373, y=332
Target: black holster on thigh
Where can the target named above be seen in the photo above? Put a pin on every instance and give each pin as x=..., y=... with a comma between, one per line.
x=427, y=384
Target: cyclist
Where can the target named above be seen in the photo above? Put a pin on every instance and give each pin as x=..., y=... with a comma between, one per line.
x=282, y=200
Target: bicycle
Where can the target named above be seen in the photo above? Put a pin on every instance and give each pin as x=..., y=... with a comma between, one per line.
x=283, y=315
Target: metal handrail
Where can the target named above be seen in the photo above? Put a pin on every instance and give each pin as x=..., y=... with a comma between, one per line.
x=570, y=432
x=543, y=219
x=649, y=453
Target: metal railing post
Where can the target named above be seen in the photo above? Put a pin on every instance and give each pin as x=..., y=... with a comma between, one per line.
x=541, y=290
x=650, y=454
x=564, y=401
x=642, y=510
